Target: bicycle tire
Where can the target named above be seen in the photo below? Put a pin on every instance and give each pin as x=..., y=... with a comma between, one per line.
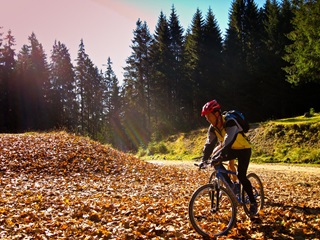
x=212, y=176
x=202, y=216
x=258, y=193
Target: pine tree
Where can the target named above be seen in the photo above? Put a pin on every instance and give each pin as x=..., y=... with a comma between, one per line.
x=194, y=53
x=304, y=53
x=302, y=56
x=168, y=86
x=271, y=23
x=273, y=90
x=137, y=87
x=162, y=83
x=20, y=84
x=242, y=52
x=34, y=86
x=81, y=87
x=95, y=104
x=180, y=88
x=106, y=90
x=7, y=101
x=106, y=100
x=89, y=94
x=113, y=133
x=3, y=87
x=63, y=97
x=285, y=23
x=212, y=60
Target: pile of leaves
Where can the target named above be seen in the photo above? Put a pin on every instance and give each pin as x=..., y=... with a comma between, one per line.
x=62, y=186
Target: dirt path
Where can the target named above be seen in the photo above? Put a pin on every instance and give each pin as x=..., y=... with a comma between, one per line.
x=252, y=166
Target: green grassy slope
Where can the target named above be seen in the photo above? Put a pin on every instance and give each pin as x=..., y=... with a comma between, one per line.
x=290, y=140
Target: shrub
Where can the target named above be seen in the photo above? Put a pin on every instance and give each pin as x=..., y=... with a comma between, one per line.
x=157, y=148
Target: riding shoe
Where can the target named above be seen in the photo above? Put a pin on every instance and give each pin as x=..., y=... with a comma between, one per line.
x=253, y=209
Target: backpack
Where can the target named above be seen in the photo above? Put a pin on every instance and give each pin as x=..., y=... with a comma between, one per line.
x=239, y=118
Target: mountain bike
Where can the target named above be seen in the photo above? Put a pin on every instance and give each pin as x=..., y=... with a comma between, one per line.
x=213, y=206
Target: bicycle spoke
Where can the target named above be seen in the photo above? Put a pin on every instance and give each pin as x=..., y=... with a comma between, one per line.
x=206, y=216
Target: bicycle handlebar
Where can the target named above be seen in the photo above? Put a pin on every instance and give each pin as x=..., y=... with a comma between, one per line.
x=212, y=163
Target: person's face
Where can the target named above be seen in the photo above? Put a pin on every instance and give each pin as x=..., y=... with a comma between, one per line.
x=211, y=118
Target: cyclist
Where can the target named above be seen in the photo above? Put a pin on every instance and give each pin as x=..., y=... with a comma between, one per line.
x=232, y=144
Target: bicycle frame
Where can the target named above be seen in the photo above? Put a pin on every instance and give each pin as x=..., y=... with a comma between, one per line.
x=219, y=176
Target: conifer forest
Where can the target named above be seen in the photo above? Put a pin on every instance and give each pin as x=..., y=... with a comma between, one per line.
x=267, y=65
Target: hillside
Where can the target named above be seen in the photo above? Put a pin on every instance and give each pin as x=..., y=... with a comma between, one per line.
x=61, y=186
x=291, y=140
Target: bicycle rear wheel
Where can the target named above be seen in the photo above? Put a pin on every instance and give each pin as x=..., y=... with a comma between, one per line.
x=258, y=193
x=212, y=212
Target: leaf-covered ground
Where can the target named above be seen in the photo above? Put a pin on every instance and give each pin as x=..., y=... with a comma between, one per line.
x=61, y=186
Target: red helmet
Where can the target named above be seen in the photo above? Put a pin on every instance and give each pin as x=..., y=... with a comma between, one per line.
x=210, y=107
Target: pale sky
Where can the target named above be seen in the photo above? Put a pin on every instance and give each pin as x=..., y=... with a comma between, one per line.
x=106, y=26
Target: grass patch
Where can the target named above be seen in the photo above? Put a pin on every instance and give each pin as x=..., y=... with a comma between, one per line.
x=289, y=140
x=182, y=146
x=314, y=118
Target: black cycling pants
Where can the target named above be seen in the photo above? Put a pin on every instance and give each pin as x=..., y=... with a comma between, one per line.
x=243, y=156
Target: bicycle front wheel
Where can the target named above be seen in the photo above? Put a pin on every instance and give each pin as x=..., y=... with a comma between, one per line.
x=258, y=193
x=212, y=212
x=212, y=176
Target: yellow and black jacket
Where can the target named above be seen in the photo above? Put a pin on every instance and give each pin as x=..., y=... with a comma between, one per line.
x=231, y=137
